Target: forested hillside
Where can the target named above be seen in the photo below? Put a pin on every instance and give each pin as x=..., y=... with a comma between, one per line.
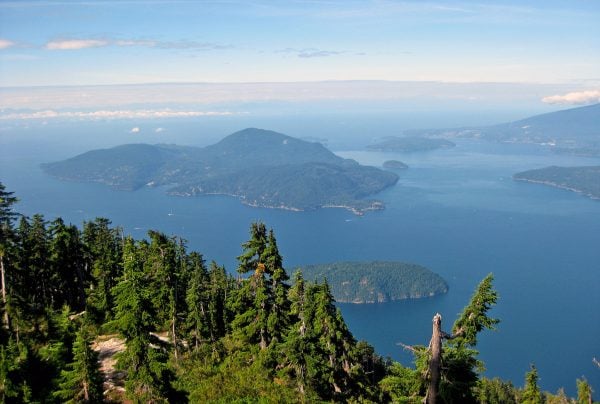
x=92, y=315
x=376, y=281
x=260, y=167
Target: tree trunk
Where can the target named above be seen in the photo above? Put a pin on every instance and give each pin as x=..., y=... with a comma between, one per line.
x=5, y=319
x=435, y=362
x=173, y=332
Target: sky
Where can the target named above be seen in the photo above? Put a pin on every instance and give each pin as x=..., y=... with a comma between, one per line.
x=549, y=48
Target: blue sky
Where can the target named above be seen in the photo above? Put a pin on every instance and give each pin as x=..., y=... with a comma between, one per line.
x=78, y=43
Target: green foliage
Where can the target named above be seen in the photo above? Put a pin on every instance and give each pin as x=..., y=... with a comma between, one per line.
x=474, y=318
x=82, y=382
x=103, y=255
x=531, y=392
x=495, y=391
x=584, y=391
x=147, y=373
x=402, y=384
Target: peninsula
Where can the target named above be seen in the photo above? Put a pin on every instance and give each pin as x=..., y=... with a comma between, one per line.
x=376, y=281
x=261, y=168
x=584, y=180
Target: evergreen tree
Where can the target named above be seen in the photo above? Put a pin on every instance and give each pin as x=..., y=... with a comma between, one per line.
x=253, y=300
x=219, y=287
x=147, y=374
x=103, y=258
x=7, y=240
x=584, y=392
x=33, y=291
x=67, y=263
x=531, y=393
x=198, y=299
x=82, y=383
x=279, y=318
x=262, y=301
x=165, y=264
x=296, y=343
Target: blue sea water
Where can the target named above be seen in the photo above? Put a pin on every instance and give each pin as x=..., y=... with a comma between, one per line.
x=455, y=211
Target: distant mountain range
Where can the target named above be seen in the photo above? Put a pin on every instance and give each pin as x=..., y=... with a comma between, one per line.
x=260, y=167
x=574, y=131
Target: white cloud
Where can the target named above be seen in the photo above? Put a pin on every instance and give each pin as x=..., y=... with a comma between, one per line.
x=73, y=44
x=574, y=98
x=82, y=43
x=135, y=130
x=5, y=43
x=158, y=130
x=112, y=114
x=310, y=52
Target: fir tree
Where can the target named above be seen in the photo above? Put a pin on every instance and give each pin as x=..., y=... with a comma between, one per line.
x=584, y=392
x=82, y=383
x=67, y=265
x=531, y=392
x=147, y=373
x=7, y=239
x=197, y=299
x=103, y=258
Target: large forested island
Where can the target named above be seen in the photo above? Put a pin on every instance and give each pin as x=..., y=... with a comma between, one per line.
x=260, y=167
x=377, y=281
x=410, y=144
x=585, y=180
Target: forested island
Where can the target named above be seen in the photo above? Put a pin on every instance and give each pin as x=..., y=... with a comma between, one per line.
x=394, y=165
x=91, y=315
x=262, y=168
x=584, y=180
x=377, y=281
x=408, y=144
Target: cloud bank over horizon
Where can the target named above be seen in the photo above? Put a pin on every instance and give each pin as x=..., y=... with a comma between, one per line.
x=176, y=99
x=574, y=98
x=108, y=114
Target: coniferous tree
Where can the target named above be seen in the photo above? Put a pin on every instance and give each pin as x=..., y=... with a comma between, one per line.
x=168, y=283
x=35, y=290
x=147, y=373
x=460, y=374
x=584, y=392
x=220, y=286
x=103, y=258
x=253, y=300
x=279, y=318
x=296, y=343
x=7, y=240
x=198, y=299
x=67, y=264
x=531, y=392
x=263, y=304
x=82, y=382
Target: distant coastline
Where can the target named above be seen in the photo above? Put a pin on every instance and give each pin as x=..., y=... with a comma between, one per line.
x=584, y=180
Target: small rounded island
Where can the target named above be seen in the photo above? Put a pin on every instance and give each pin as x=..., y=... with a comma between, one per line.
x=394, y=165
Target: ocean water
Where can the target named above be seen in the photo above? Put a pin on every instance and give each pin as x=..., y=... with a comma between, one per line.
x=455, y=211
